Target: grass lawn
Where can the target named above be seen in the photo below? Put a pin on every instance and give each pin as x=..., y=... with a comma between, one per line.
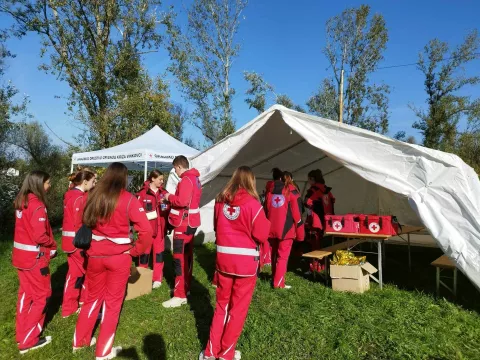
x=309, y=321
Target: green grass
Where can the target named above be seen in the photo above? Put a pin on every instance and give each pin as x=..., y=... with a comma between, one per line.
x=309, y=321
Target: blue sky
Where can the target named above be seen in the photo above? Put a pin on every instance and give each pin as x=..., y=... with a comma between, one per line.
x=283, y=40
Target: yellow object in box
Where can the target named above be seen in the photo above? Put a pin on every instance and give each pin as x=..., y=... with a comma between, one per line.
x=345, y=257
x=353, y=278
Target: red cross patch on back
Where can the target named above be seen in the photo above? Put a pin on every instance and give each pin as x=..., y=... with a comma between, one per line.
x=278, y=200
x=231, y=212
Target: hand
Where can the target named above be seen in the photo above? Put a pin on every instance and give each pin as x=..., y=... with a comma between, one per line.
x=127, y=252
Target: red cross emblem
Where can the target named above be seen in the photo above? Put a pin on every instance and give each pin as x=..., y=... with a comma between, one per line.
x=337, y=225
x=278, y=200
x=231, y=212
x=374, y=227
x=150, y=155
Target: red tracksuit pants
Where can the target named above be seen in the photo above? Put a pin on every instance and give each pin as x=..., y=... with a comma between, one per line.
x=182, y=261
x=106, y=279
x=33, y=294
x=280, y=253
x=75, y=289
x=158, y=245
x=315, y=238
x=234, y=294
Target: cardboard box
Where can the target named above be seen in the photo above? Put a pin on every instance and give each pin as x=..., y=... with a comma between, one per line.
x=353, y=278
x=139, y=285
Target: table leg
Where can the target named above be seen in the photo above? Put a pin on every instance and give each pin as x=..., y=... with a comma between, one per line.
x=327, y=271
x=438, y=281
x=409, y=254
x=380, y=271
x=455, y=282
x=384, y=254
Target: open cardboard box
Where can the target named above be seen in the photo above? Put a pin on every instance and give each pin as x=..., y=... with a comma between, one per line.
x=139, y=283
x=353, y=278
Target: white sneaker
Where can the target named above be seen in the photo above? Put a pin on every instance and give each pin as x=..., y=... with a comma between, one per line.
x=113, y=354
x=92, y=342
x=203, y=357
x=174, y=302
x=156, y=284
x=308, y=273
x=287, y=287
x=238, y=355
x=214, y=286
x=41, y=343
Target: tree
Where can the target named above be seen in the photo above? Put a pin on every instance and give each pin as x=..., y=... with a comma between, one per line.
x=402, y=136
x=444, y=79
x=95, y=47
x=258, y=90
x=8, y=107
x=355, y=44
x=202, y=60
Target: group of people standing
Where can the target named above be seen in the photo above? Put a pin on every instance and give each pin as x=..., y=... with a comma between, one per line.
x=97, y=278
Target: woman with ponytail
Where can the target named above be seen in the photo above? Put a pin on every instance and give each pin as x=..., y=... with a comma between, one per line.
x=109, y=211
x=33, y=246
x=283, y=207
x=73, y=204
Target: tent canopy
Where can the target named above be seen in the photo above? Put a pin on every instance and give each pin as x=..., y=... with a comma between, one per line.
x=369, y=173
x=155, y=148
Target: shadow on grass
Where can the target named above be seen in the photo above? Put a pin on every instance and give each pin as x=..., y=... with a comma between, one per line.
x=58, y=283
x=200, y=305
x=153, y=348
x=206, y=258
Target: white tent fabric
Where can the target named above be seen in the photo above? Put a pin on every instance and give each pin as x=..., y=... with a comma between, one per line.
x=369, y=173
x=155, y=149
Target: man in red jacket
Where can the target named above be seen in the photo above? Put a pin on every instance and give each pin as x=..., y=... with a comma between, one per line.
x=185, y=218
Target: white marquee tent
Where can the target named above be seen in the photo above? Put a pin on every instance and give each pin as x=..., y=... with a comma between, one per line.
x=369, y=173
x=153, y=150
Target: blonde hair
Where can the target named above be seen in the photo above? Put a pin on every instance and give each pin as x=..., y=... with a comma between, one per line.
x=242, y=178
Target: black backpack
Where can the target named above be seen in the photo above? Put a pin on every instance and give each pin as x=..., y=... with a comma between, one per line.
x=83, y=238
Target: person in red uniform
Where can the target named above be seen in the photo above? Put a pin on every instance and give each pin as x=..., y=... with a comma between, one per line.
x=33, y=246
x=319, y=202
x=73, y=205
x=266, y=250
x=241, y=227
x=108, y=212
x=184, y=217
x=283, y=207
x=151, y=196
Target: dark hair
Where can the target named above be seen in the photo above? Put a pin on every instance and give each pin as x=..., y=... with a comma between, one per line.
x=103, y=199
x=242, y=178
x=181, y=161
x=277, y=174
x=78, y=177
x=154, y=174
x=32, y=184
x=317, y=176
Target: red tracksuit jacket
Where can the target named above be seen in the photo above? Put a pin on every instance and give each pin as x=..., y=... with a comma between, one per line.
x=185, y=204
x=284, y=213
x=33, y=236
x=152, y=202
x=117, y=229
x=319, y=202
x=73, y=205
x=240, y=226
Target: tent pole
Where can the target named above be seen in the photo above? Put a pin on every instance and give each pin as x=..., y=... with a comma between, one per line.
x=340, y=114
x=145, y=172
x=71, y=168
